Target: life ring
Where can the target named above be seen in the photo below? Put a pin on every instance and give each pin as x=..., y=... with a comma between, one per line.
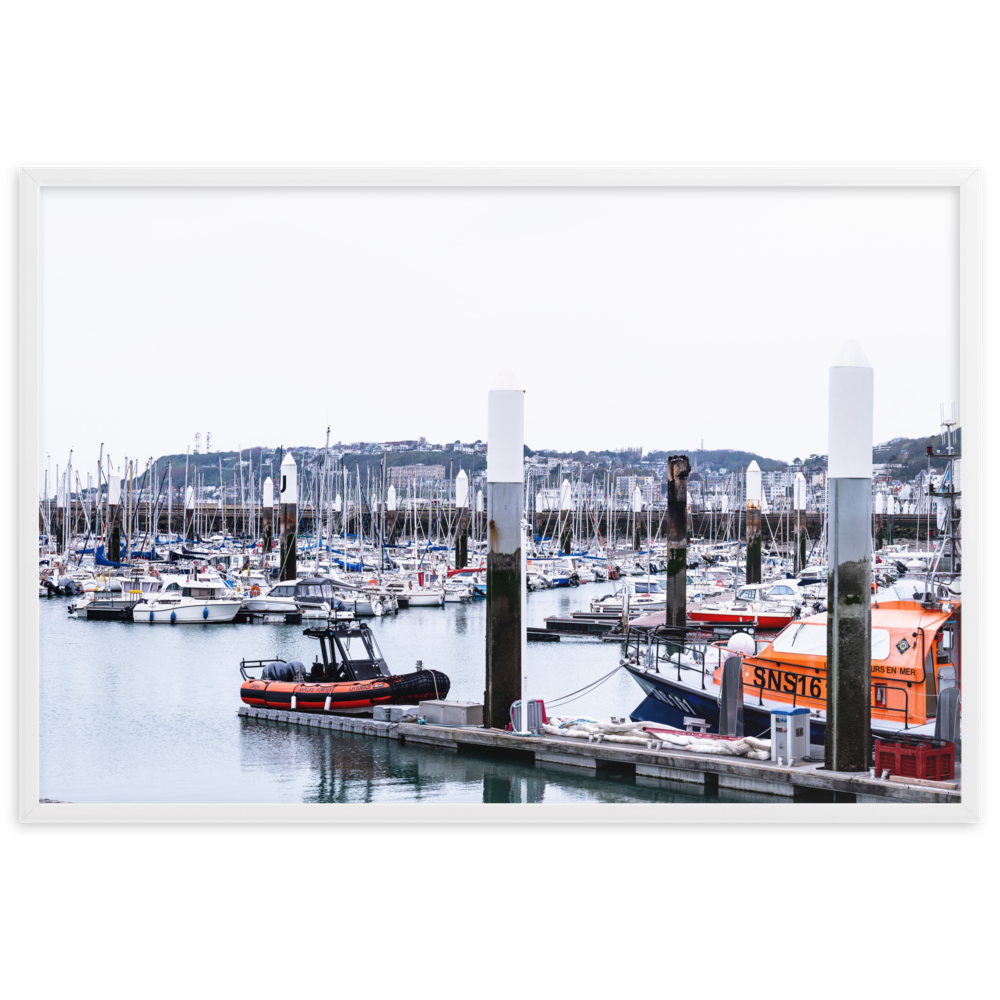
x=719, y=583
x=373, y=583
x=255, y=591
x=153, y=572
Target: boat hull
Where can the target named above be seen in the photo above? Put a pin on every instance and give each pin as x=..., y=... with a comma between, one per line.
x=350, y=696
x=199, y=613
x=763, y=621
x=668, y=703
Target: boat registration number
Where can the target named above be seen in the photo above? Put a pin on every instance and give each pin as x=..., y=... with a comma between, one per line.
x=788, y=682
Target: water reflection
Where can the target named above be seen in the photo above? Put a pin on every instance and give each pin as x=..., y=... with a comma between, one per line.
x=132, y=713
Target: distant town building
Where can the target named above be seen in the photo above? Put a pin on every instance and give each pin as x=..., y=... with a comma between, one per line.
x=423, y=475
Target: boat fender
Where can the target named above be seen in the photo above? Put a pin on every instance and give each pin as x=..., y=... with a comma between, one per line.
x=150, y=615
x=204, y=612
x=173, y=617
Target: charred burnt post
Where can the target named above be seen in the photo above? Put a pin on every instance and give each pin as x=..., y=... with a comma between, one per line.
x=462, y=506
x=799, y=501
x=754, y=492
x=267, y=512
x=504, y=580
x=565, y=518
x=890, y=509
x=288, y=515
x=849, y=619
x=678, y=470
x=879, y=510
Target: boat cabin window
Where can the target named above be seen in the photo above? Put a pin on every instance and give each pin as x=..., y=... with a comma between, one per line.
x=283, y=591
x=362, y=655
x=648, y=588
x=150, y=586
x=172, y=586
x=810, y=640
x=197, y=592
x=782, y=591
x=747, y=594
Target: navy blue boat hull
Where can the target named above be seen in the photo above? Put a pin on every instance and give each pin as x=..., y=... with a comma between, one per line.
x=669, y=703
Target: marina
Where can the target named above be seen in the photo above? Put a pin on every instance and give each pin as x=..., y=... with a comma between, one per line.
x=782, y=608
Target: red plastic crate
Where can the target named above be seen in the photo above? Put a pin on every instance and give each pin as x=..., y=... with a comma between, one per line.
x=934, y=761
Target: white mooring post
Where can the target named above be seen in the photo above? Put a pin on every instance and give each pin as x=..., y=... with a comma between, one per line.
x=504, y=573
x=848, y=638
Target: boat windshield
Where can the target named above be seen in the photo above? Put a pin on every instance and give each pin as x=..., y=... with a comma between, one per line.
x=810, y=640
x=648, y=588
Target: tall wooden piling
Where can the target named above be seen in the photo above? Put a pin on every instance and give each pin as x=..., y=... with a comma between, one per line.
x=505, y=483
x=678, y=469
x=848, y=705
x=288, y=514
x=754, y=493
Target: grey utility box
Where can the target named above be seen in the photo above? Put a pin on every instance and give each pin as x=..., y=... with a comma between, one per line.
x=535, y=720
x=789, y=733
x=452, y=713
x=395, y=713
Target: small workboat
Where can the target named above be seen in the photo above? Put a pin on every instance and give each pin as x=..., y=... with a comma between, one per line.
x=351, y=677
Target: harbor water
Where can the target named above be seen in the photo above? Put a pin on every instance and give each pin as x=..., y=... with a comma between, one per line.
x=147, y=713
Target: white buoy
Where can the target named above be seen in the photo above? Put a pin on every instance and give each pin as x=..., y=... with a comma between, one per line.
x=637, y=501
x=390, y=498
x=566, y=496
x=479, y=501
x=461, y=490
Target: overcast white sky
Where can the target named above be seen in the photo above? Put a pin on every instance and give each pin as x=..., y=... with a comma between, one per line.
x=658, y=318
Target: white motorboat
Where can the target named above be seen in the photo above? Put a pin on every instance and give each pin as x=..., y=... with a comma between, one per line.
x=202, y=599
x=417, y=590
x=646, y=596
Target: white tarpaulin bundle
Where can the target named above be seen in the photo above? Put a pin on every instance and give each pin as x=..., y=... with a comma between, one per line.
x=636, y=733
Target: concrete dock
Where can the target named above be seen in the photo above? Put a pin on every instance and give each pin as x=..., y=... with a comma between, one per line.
x=805, y=781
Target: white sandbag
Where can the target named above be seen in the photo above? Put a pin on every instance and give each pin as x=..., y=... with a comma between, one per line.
x=758, y=744
x=702, y=746
x=759, y=755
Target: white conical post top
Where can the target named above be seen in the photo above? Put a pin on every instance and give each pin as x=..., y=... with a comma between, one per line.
x=636, y=500
x=268, y=492
x=879, y=503
x=893, y=509
x=566, y=496
x=189, y=499
x=505, y=430
x=754, y=487
x=540, y=504
x=799, y=491
x=114, y=489
x=852, y=407
x=725, y=503
x=390, y=498
x=338, y=504
x=479, y=501
x=461, y=489
x=289, y=480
